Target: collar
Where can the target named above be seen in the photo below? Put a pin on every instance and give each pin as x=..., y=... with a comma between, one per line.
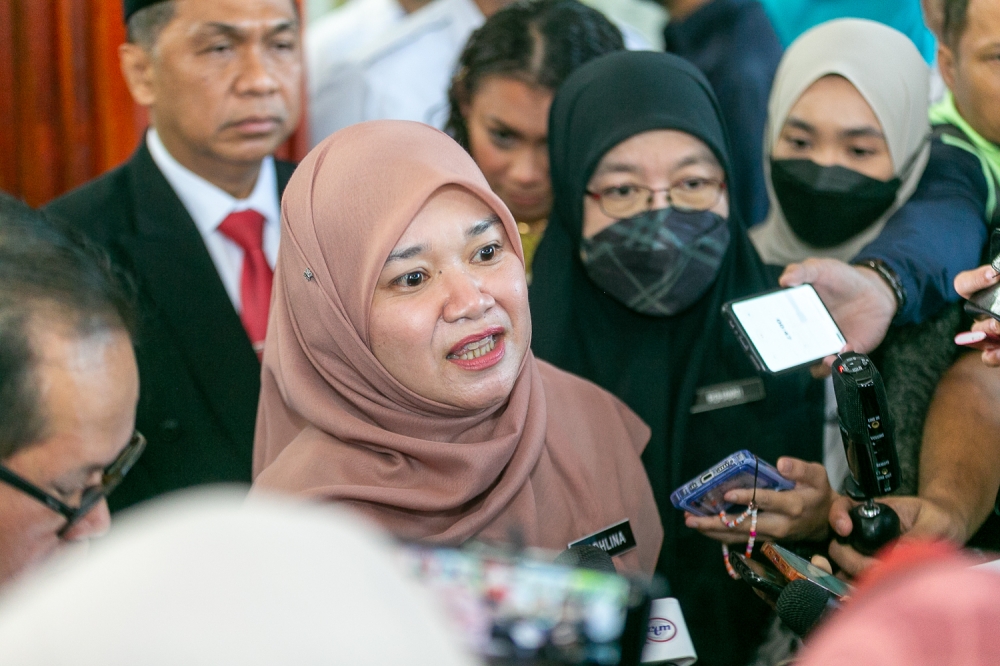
x=207, y=204
x=706, y=21
x=460, y=17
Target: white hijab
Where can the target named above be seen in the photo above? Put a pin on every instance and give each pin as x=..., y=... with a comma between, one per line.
x=888, y=71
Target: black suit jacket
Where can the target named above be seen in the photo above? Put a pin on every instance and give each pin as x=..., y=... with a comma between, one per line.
x=199, y=376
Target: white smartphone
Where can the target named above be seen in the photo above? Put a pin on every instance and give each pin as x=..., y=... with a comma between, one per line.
x=784, y=330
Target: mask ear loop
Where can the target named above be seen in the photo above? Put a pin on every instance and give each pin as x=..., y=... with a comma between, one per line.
x=751, y=511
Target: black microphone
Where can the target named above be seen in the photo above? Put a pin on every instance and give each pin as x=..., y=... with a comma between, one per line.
x=586, y=557
x=802, y=604
x=867, y=430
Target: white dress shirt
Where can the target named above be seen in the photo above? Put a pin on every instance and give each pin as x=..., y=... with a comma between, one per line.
x=330, y=40
x=405, y=72
x=402, y=74
x=209, y=205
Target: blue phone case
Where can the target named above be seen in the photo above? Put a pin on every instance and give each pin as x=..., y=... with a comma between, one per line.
x=703, y=495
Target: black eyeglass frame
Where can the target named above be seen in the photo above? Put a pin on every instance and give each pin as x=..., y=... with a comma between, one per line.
x=110, y=479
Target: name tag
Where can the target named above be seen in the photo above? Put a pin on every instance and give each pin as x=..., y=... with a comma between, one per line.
x=613, y=540
x=718, y=396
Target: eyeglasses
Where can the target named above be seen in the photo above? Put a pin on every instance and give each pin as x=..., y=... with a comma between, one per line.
x=110, y=479
x=691, y=194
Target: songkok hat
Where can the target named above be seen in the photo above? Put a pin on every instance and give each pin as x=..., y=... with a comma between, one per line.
x=132, y=6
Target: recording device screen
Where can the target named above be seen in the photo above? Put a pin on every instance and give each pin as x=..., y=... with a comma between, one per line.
x=516, y=609
x=785, y=329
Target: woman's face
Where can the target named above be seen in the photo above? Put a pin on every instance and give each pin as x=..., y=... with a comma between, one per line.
x=831, y=124
x=658, y=160
x=507, y=122
x=449, y=318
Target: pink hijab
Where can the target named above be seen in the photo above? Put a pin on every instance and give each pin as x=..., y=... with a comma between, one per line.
x=558, y=461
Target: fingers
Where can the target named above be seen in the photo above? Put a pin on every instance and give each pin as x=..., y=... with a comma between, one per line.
x=839, y=518
x=991, y=357
x=822, y=563
x=794, y=275
x=989, y=326
x=808, y=473
x=969, y=282
x=849, y=560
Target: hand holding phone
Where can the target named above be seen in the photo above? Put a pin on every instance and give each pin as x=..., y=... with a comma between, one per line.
x=784, y=330
x=799, y=513
x=793, y=567
x=704, y=495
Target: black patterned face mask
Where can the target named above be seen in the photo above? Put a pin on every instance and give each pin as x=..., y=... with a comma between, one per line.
x=658, y=263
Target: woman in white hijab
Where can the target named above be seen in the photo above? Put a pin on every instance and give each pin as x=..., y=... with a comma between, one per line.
x=846, y=142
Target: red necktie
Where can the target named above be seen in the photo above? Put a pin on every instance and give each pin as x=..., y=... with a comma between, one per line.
x=246, y=229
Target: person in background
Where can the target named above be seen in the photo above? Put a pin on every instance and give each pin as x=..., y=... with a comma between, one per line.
x=194, y=217
x=401, y=383
x=791, y=18
x=846, y=142
x=332, y=38
x=940, y=232
x=404, y=73
x=68, y=389
x=943, y=229
x=641, y=252
x=205, y=578
x=503, y=88
x=733, y=44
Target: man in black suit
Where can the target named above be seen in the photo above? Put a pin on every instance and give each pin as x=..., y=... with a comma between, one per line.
x=194, y=217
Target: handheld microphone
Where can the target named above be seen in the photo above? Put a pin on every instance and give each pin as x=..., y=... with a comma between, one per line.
x=866, y=428
x=586, y=557
x=802, y=604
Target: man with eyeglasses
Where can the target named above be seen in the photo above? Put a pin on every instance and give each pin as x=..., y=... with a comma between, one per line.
x=68, y=389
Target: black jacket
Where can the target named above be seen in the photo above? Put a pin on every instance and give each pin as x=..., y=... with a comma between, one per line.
x=199, y=376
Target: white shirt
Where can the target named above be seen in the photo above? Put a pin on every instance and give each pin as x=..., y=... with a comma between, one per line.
x=331, y=40
x=402, y=74
x=209, y=205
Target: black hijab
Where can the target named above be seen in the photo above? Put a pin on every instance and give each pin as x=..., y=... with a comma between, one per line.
x=657, y=364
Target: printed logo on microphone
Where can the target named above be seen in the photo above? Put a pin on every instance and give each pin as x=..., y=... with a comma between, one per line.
x=660, y=630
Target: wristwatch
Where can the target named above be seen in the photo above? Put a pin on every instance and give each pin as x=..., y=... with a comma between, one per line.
x=890, y=277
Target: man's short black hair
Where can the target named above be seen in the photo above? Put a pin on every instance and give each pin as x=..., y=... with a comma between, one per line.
x=955, y=19
x=49, y=276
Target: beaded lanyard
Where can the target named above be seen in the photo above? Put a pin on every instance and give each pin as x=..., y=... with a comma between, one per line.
x=751, y=511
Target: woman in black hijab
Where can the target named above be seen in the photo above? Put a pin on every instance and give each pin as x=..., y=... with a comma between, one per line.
x=636, y=308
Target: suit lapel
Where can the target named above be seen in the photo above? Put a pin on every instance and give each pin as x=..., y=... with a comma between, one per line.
x=177, y=272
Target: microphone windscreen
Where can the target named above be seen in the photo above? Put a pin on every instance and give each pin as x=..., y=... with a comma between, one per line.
x=586, y=557
x=801, y=605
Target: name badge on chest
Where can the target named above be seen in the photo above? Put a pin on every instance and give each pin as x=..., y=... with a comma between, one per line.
x=613, y=540
x=728, y=394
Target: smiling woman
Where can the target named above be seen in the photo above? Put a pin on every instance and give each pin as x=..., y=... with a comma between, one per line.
x=400, y=379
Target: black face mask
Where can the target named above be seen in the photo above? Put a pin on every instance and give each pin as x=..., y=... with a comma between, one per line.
x=659, y=262
x=827, y=205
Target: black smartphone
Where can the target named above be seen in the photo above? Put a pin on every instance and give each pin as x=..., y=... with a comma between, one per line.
x=510, y=608
x=785, y=329
x=765, y=580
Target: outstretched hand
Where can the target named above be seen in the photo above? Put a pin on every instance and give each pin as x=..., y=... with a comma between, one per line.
x=800, y=513
x=918, y=517
x=860, y=301
x=968, y=283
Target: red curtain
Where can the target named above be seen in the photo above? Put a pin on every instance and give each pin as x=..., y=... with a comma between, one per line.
x=66, y=115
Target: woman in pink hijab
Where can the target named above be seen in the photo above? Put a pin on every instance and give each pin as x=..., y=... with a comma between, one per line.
x=398, y=377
